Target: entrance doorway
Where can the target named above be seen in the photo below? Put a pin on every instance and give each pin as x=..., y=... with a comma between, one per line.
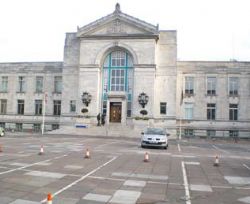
x=115, y=112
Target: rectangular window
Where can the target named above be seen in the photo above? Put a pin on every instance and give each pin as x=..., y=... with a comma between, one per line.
x=233, y=133
x=211, y=111
x=57, y=107
x=58, y=84
x=19, y=127
x=2, y=124
x=104, y=107
x=3, y=106
x=38, y=107
x=39, y=84
x=233, y=86
x=129, y=109
x=211, y=85
x=72, y=106
x=105, y=80
x=118, y=59
x=37, y=127
x=233, y=111
x=117, y=80
x=189, y=85
x=4, y=84
x=211, y=133
x=55, y=126
x=20, y=107
x=163, y=108
x=188, y=111
x=21, y=84
x=130, y=80
x=188, y=132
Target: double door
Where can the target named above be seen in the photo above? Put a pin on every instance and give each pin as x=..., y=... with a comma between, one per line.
x=115, y=112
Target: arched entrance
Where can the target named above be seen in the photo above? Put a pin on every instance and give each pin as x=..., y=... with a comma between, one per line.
x=117, y=86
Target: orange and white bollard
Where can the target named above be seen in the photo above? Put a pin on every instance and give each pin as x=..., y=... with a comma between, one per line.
x=41, y=151
x=87, y=154
x=146, y=157
x=216, y=162
x=49, y=198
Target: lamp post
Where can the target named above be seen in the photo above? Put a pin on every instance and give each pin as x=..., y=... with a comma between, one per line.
x=86, y=98
x=143, y=99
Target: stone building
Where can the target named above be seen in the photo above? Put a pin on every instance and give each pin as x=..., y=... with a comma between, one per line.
x=113, y=62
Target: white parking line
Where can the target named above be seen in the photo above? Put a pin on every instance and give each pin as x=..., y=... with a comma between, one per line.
x=246, y=166
x=80, y=179
x=187, y=193
x=217, y=148
x=179, y=148
x=106, y=178
x=26, y=166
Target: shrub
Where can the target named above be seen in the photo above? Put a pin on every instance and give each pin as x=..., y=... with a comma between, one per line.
x=143, y=112
x=85, y=110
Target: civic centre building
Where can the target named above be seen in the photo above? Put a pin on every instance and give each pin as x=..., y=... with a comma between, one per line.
x=118, y=66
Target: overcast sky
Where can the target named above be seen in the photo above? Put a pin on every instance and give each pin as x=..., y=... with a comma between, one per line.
x=34, y=30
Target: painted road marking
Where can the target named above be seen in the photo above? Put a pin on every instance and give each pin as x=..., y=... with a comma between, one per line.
x=142, y=176
x=245, y=199
x=97, y=197
x=217, y=148
x=179, y=148
x=46, y=174
x=246, y=166
x=236, y=180
x=183, y=156
x=134, y=183
x=195, y=187
x=73, y=167
x=24, y=167
x=20, y=201
x=192, y=163
x=80, y=179
x=187, y=193
x=106, y=178
x=125, y=197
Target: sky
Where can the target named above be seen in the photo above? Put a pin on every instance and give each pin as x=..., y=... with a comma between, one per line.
x=34, y=30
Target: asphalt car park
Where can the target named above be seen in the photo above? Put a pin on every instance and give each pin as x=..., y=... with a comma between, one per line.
x=116, y=172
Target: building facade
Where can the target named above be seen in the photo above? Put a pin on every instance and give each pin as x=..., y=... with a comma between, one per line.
x=118, y=66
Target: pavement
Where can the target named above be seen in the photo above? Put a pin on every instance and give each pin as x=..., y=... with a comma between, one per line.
x=116, y=173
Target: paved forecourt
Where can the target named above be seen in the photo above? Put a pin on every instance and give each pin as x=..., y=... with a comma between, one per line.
x=116, y=172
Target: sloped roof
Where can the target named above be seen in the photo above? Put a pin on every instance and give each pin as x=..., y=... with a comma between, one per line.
x=118, y=15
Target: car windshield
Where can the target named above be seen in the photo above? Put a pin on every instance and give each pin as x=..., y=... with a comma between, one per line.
x=155, y=131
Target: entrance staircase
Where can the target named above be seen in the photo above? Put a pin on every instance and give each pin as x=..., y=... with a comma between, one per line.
x=110, y=130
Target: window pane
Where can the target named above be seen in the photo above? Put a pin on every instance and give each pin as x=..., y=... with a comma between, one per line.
x=20, y=107
x=211, y=85
x=3, y=107
x=4, y=84
x=233, y=85
x=58, y=84
x=233, y=111
x=163, y=108
x=73, y=106
x=57, y=107
x=189, y=85
x=21, y=84
x=39, y=84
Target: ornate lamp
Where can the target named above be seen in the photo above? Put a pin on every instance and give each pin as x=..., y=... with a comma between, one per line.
x=143, y=99
x=86, y=98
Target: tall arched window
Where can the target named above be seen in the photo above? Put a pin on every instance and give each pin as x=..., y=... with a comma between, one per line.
x=117, y=77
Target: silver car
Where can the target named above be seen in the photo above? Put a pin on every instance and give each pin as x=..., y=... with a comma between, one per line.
x=154, y=137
